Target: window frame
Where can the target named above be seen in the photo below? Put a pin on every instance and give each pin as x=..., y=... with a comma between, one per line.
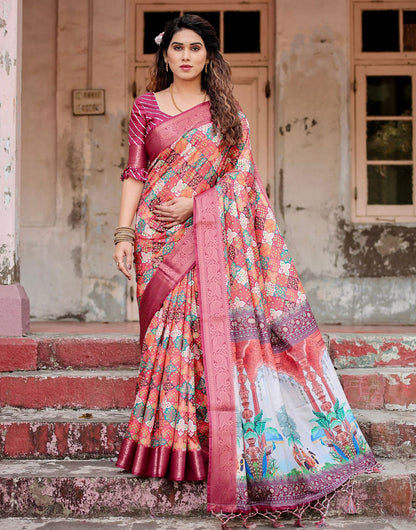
x=260, y=59
x=377, y=63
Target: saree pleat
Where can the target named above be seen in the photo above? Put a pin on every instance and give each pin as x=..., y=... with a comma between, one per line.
x=235, y=382
x=168, y=425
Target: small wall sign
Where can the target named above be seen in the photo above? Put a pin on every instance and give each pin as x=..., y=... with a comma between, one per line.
x=88, y=102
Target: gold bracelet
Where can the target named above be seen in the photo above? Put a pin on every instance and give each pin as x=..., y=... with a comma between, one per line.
x=124, y=233
x=123, y=238
x=124, y=228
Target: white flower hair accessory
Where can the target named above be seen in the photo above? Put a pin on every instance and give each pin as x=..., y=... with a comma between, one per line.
x=158, y=39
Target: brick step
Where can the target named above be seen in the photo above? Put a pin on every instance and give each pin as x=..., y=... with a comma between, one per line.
x=41, y=351
x=392, y=388
x=58, y=352
x=202, y=522
x=96, y=488
x=349, y=350
x=391, y=434
x=48, y=433
x=95, y=389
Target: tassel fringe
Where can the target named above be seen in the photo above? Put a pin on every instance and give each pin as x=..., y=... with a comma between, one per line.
x=321, y=507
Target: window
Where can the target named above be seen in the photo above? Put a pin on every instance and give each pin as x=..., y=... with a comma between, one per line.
x=229, y=24
x=384, y=69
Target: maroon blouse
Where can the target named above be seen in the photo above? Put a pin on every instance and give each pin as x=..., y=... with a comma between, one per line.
x=145, y=116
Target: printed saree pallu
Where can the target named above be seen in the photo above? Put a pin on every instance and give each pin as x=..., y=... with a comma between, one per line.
x=235, y=383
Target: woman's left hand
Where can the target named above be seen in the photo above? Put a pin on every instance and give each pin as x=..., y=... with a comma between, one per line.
x=175, y=211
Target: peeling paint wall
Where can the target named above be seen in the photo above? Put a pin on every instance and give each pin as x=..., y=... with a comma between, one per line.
x=10, y=64
x=71, y=164
x=352, y=273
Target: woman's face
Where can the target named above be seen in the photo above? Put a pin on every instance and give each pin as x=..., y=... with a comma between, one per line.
x=186, y=55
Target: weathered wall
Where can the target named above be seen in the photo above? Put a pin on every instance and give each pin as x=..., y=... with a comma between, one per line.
x=352, y=273
x=71, y=164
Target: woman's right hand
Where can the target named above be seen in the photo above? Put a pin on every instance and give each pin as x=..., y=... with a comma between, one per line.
x=124, y=249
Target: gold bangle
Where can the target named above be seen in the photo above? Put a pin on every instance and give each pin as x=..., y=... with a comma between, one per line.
x=123, y=237
x=120, y=238
x=124, y=229
x=124, y=233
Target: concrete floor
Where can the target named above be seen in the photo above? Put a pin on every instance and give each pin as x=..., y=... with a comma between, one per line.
x=200, y=523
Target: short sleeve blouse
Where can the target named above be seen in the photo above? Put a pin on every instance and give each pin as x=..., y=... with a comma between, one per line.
x=145, y=116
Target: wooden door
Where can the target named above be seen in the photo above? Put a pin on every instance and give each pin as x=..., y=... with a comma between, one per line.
x=250, y=90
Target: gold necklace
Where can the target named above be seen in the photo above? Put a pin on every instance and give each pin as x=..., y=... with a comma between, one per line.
x=174, y=102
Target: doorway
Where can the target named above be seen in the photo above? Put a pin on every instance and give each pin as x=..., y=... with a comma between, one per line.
x=246, y=33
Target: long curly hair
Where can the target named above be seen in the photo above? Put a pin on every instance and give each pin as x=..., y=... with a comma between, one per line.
x=215, y=81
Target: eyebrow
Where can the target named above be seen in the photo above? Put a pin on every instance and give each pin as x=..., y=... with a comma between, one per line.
x=191, y=44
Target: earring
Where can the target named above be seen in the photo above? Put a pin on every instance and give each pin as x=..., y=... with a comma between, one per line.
x=206, y=68
x=167, y=67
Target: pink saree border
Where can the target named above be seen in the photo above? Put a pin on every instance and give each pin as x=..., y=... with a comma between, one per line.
x=162, y=462
x=168, y=132
x=217, y=353
x=169, y=273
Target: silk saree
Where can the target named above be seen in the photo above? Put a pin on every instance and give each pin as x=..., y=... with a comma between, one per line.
x=235, y=383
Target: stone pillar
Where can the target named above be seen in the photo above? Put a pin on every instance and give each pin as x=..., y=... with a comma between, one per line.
x=14, y=303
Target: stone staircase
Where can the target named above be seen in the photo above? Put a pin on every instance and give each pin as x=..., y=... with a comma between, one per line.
x=65, y=400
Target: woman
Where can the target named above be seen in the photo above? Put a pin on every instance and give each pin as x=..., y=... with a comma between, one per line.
x=235, y=384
